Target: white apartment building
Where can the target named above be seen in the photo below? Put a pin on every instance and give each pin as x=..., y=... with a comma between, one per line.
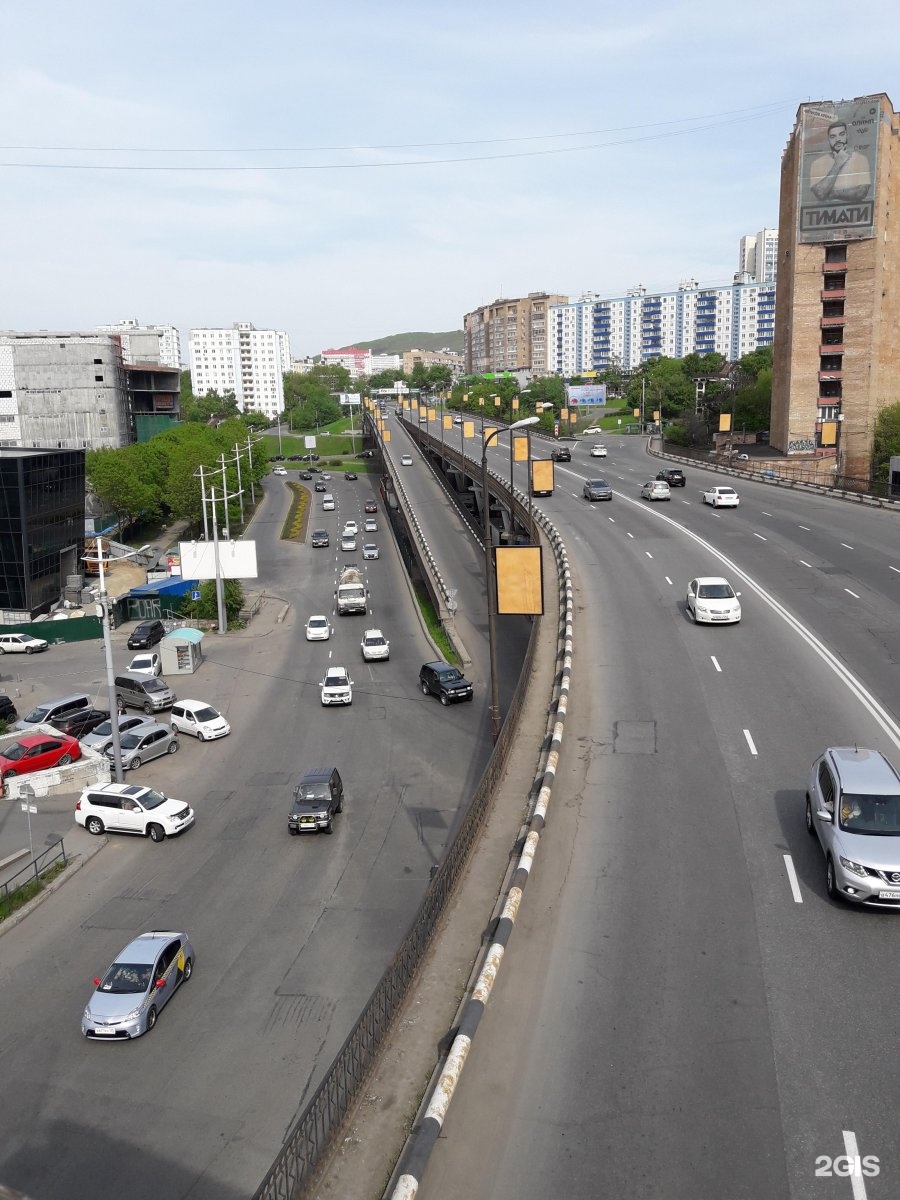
x=758, y=256
x=593, y=334
x=245, y=360
x=357, y=362
x=147, y=343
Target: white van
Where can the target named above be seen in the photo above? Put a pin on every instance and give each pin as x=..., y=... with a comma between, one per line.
x=328, y=502
x=200, y=720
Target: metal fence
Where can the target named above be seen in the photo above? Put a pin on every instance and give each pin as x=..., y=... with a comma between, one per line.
x=320, y=1122
x=53, y=854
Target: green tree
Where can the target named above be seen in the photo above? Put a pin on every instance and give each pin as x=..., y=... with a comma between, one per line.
x=123, y=481
x=232, y=593
x=887, y=441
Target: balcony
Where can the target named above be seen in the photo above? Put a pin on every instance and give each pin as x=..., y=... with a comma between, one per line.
x=834, y=268
x=832, y=322
x=833, y=294
x=831, y=348
x=830, y=376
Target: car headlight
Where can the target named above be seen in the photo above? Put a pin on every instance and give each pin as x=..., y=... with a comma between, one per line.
x=855, y=867
x=322, y=815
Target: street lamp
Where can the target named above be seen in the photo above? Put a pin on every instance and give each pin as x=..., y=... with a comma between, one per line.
x=489, y=571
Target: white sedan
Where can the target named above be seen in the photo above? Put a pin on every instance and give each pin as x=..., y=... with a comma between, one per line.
x=598, y=452
x=318, y=628
x=405, y=460
x=721, y=497
x=594, y=431
x=279, y=471
x=350, y=529
x=375, y=646
x=21, y=643
x=147, y=663
x=711, y=600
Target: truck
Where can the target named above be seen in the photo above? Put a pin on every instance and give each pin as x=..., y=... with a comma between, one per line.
x=351, y=592
x=542, y=477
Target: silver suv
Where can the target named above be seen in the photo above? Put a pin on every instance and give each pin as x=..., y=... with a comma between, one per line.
x=853, y=807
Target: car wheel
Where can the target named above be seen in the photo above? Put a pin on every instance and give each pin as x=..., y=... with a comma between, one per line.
x=329, y=828
x=810, y=825
x=715, y=504
x=172, y=747
x=2, y=651
x=293, y=832
x=444, y=701
x=156, y=833
x=188, y=970
x=65, y=760
x=424, y=687
x=134, y=763
x=29, y=649
x=151, y=1018
x=148, y=709
x=200, y=737
x=340, y=807
x=8, y=774
x=94, y=825
x=831, y=886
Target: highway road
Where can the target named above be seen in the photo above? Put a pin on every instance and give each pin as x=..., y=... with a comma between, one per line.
x=681, y=1012
x=291, y=935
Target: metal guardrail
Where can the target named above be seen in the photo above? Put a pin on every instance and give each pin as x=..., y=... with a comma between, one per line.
x=34, y=870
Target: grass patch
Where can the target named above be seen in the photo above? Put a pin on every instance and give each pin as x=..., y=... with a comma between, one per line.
x=293, y=522
x=435, y=629
x=21, y=896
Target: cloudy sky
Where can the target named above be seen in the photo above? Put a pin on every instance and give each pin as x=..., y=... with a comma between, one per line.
x=350, y=170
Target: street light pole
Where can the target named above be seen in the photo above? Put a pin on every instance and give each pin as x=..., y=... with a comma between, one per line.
x=489, y=571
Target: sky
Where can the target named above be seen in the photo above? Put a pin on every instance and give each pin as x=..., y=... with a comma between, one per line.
x=350, y=170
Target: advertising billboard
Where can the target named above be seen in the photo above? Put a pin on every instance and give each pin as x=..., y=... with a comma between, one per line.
x=586, y=393
x=237, y=560
x=838, y=156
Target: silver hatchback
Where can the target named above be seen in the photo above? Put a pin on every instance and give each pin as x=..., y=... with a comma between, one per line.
x=138, y=985
x=853, y=807
x=144, y=743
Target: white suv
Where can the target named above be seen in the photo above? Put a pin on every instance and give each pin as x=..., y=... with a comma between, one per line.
x=128, y=808
x=337, y=686
x=375, y=646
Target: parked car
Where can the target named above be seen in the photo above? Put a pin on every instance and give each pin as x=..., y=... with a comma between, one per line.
x=146, y=634
x=597, y=489
x=444, y=681
x=370, y=525
x=405, y=460
x=598, y=452
x=294, y=457
x=7, y=708
x=318, y=798
x=319, y=538
x=375, y=646
x=721, y=497
x=21, y=643
x=308, y=458
x=711, y=600
x=50, y=711
x=143, y=691
x=337, y=686
x=370, y=507
x=853, y=808
x=130, y=808
x=673, y=476
x=370, y=551
x=656, y=489
x=561, y=454
x=350, y=475
x=138, y=985
x=100, y=738
x=38, y=752
x=276, y=458
x=145, y=743
x=82, y=722
x=318, y=629
x=146, y=664
x=200, y=720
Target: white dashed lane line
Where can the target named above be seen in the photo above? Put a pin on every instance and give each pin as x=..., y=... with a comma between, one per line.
x=715, y=663
x=846, y=547
x=631, y=535
x=792, y=878
x=804, y=563
x=668, y=580
x=647, y=552
x=753, y=749
x=897, y=569
x=853, y=594
x=764, y=513
x=806, y=527
x=760, y=536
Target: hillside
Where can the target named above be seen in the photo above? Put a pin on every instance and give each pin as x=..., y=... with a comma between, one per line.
x=396, y=343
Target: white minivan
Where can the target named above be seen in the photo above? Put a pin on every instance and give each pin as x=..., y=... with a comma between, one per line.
x=200, y=720
x=328, y=502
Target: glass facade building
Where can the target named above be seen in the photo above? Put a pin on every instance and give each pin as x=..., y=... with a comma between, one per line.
x=41, y=528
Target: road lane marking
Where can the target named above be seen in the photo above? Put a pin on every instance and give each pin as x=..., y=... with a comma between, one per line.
x=857, y=1183
x=753, y=749
x=792, y=878
x=760, y=536
x=897, y=569
x=764, y=513
x=631, y=535
x=647, y=552
x=853, y=594
x=715, y=663
x=804, y=563
x=806, y=527
x=612, y=520
x=668, y=580
x=846, y=547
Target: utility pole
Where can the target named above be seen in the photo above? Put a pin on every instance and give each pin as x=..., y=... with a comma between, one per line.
x=220, y=596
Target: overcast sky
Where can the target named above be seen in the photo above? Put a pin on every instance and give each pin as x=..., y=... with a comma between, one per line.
x=430, y=157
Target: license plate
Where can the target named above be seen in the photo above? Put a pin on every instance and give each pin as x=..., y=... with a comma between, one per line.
x=105, y=1032
x=889, y=895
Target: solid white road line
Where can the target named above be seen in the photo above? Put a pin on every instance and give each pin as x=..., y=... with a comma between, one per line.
x=612, y=519
x=857, y=1183
x=631, y=535
x=647, y=552
x=792, y=878
x=846, y=547
x=804, y=563
x=760, y=536
x=764, y=513
x=897, y=569
x=715, y=663
x=853, y=594
x=668, y=580
x=753, y=749
x=806, y=527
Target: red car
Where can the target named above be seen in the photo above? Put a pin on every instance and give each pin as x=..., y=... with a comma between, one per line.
x=37, y=752
x=371, y=506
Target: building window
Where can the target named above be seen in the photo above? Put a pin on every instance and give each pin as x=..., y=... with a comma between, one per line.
x=836, y=254
x=98, y=379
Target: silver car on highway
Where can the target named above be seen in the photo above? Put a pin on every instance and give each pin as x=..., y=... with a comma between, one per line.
x=138, y=985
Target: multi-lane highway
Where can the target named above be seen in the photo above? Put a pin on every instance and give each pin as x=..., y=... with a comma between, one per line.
x=682, y=1013
x=291, y=935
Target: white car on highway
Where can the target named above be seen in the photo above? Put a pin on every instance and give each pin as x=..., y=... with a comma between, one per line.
x=711, y=600
x=337, y=686
x=721, y=497
x=375, y=646
x=318, y=628
x=594, y=431
x=598, y=451
x=350, y=529
x=279, y=471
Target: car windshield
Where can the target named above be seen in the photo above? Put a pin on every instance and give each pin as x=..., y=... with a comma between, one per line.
x=127, y=978
x=716, y=591
x=879, y=815
x=37, y=715
x=599, y=483
x=129, y=741
x=307, y=792
x=207, y=714
x=335, y=679
x=374, y=641
x=14, y=752
x=154, y=685
x=152, y=798
x=450, y=675
x=105, y=728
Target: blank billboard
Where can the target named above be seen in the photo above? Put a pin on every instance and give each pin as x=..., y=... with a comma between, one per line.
x=237, y=560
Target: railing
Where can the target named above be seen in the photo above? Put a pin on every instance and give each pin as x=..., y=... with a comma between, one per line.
x=35, y=869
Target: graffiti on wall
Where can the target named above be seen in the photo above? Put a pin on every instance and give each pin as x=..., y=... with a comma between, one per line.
x=801, y=445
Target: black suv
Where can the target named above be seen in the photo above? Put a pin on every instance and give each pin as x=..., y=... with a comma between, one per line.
x=7, y=708
x=446, y=682
x=318, y=798
x=673, y=476
x=146, y=634
x=320, y=537
x=321, y=485
x=82, y=722
x=561, y=454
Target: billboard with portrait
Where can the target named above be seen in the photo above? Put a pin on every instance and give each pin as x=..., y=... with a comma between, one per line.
x=838, y=155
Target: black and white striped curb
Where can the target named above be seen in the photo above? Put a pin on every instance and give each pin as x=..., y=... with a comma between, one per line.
x=426, y=1132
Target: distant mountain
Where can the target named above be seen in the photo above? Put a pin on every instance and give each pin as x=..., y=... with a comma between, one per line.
x=396, y=343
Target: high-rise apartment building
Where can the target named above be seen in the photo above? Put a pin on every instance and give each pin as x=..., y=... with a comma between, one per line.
x=509, y=334
x=758, y=256
x=837, y=361
x=594, y=334
x=247, y=361
x=160, y=344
